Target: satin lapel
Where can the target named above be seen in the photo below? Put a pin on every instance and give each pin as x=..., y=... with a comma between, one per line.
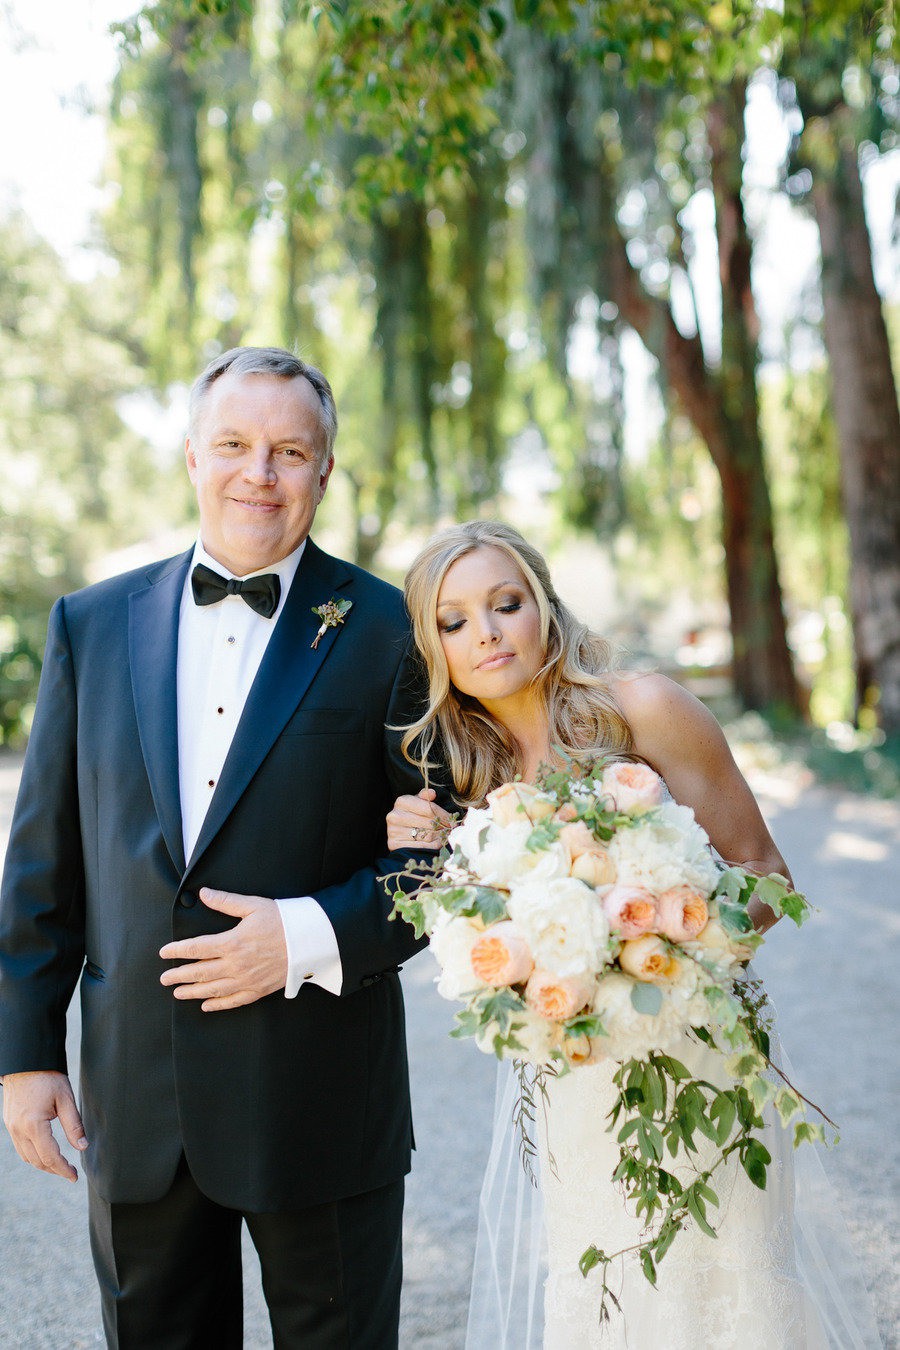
x=288, y=668
x=153, y=653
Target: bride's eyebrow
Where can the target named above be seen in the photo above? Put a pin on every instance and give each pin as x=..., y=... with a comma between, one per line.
x=500, y=586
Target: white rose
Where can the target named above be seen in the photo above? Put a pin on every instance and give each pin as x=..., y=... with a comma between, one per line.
x=451, y=942
x=465, y=835
x=563, y=923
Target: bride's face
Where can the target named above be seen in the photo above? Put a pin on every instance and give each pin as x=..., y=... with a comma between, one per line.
x=489, y=626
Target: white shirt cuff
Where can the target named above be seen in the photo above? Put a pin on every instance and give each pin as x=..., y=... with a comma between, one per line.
x=313, y=953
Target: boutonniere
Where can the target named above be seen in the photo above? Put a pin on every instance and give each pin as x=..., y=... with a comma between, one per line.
x=332, y=615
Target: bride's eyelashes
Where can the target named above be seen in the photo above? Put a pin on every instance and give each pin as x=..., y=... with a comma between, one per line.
x=454, y=625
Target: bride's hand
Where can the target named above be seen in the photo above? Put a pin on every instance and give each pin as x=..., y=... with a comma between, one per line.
x=416, y=822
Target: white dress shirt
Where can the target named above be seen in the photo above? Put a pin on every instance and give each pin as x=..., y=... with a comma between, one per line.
x=220, y=649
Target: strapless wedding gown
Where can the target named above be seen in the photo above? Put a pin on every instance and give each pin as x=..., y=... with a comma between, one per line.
x=779, y=1276
x=740, y=1289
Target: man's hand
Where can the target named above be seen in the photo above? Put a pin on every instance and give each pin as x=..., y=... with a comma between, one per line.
x=229, y=970
x=30, y=1102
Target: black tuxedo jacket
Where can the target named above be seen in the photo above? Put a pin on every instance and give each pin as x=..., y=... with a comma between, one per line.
x=282, y=1103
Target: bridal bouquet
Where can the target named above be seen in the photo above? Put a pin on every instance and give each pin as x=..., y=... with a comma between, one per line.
x=586, y=919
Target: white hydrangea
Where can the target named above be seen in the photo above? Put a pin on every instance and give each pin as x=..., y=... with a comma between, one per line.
x=497, y=854
x=633, y=1034
x=667, y=848
x=563, y=923
x=538, y=1038
x=451, y=942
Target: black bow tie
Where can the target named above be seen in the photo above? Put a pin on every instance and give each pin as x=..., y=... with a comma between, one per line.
x=261, y=593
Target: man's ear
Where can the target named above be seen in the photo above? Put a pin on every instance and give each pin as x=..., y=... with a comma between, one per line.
x=191, y=459
x=324, y=475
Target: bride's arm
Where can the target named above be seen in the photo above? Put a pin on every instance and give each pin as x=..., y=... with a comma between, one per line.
x=684, y=743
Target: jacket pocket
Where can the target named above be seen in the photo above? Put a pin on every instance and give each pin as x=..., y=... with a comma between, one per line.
x=326, y=722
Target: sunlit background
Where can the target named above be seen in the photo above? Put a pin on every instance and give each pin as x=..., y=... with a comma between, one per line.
x=461, y=230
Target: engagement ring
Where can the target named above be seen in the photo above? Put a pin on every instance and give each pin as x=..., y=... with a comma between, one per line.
x=416, y=832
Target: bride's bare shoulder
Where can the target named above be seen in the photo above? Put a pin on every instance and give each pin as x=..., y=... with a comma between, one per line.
x=657, y=709
x=648, y=693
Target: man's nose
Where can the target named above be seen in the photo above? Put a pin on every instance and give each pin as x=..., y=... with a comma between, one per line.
x=260, y=466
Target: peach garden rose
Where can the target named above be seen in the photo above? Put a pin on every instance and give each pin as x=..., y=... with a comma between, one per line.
x=633, y=787
x=648, y=958
x=631, y=910
x=500, y=955
x=558, y=996
x=682, y=913
x=513, y=802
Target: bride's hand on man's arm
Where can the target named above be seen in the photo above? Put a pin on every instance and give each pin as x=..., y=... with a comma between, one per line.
x=418, y=822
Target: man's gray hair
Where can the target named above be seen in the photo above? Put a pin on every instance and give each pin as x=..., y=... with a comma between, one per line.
x=266, y=361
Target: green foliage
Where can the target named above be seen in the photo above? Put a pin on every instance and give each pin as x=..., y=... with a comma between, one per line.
x=77, y=481
x=662, y=1111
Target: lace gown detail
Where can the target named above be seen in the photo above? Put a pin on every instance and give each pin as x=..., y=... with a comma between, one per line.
x=738, y=1292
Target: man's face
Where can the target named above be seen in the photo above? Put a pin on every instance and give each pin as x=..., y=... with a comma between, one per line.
x=256, y=462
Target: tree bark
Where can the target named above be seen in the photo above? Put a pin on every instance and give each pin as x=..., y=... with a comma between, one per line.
x=866, y=412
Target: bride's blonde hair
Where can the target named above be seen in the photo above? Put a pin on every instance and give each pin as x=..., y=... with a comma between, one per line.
x=573, y=683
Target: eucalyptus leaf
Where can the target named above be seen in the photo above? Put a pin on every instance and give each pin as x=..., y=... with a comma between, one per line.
x=646, y=998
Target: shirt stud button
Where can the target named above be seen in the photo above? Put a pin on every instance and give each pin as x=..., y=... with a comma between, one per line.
x=231, y=641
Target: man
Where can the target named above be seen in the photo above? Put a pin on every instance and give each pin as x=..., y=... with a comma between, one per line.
x=205, y=785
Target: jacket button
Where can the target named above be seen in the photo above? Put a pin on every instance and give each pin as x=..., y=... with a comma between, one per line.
x=187, y=901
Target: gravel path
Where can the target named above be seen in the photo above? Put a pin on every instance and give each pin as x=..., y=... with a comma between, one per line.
x=836, y=990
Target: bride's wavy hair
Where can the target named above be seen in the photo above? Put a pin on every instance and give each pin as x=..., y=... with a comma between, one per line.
x=573, y=683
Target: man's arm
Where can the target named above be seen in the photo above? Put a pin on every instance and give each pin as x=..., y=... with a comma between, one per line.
x=42, y=922
x=231, y=969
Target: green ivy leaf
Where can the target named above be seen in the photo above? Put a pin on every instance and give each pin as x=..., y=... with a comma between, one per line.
x=647, y=1265
x=755, y=1160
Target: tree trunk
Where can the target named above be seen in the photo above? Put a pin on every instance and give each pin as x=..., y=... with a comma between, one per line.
x=754, y=590
x=476, y=266
x=868, y=420
x=722, y=405
x=184, y=156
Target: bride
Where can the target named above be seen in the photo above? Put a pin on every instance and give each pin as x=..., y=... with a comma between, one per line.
x=514, y=680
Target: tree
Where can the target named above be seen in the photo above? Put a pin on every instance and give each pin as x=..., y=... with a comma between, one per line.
x=399, y=48
x=833, y=77
x=77, y=480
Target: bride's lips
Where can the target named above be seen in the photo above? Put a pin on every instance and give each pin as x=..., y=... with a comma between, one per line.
x=495, y=660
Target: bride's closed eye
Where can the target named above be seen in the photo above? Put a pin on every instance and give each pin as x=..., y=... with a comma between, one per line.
x=504, y=607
